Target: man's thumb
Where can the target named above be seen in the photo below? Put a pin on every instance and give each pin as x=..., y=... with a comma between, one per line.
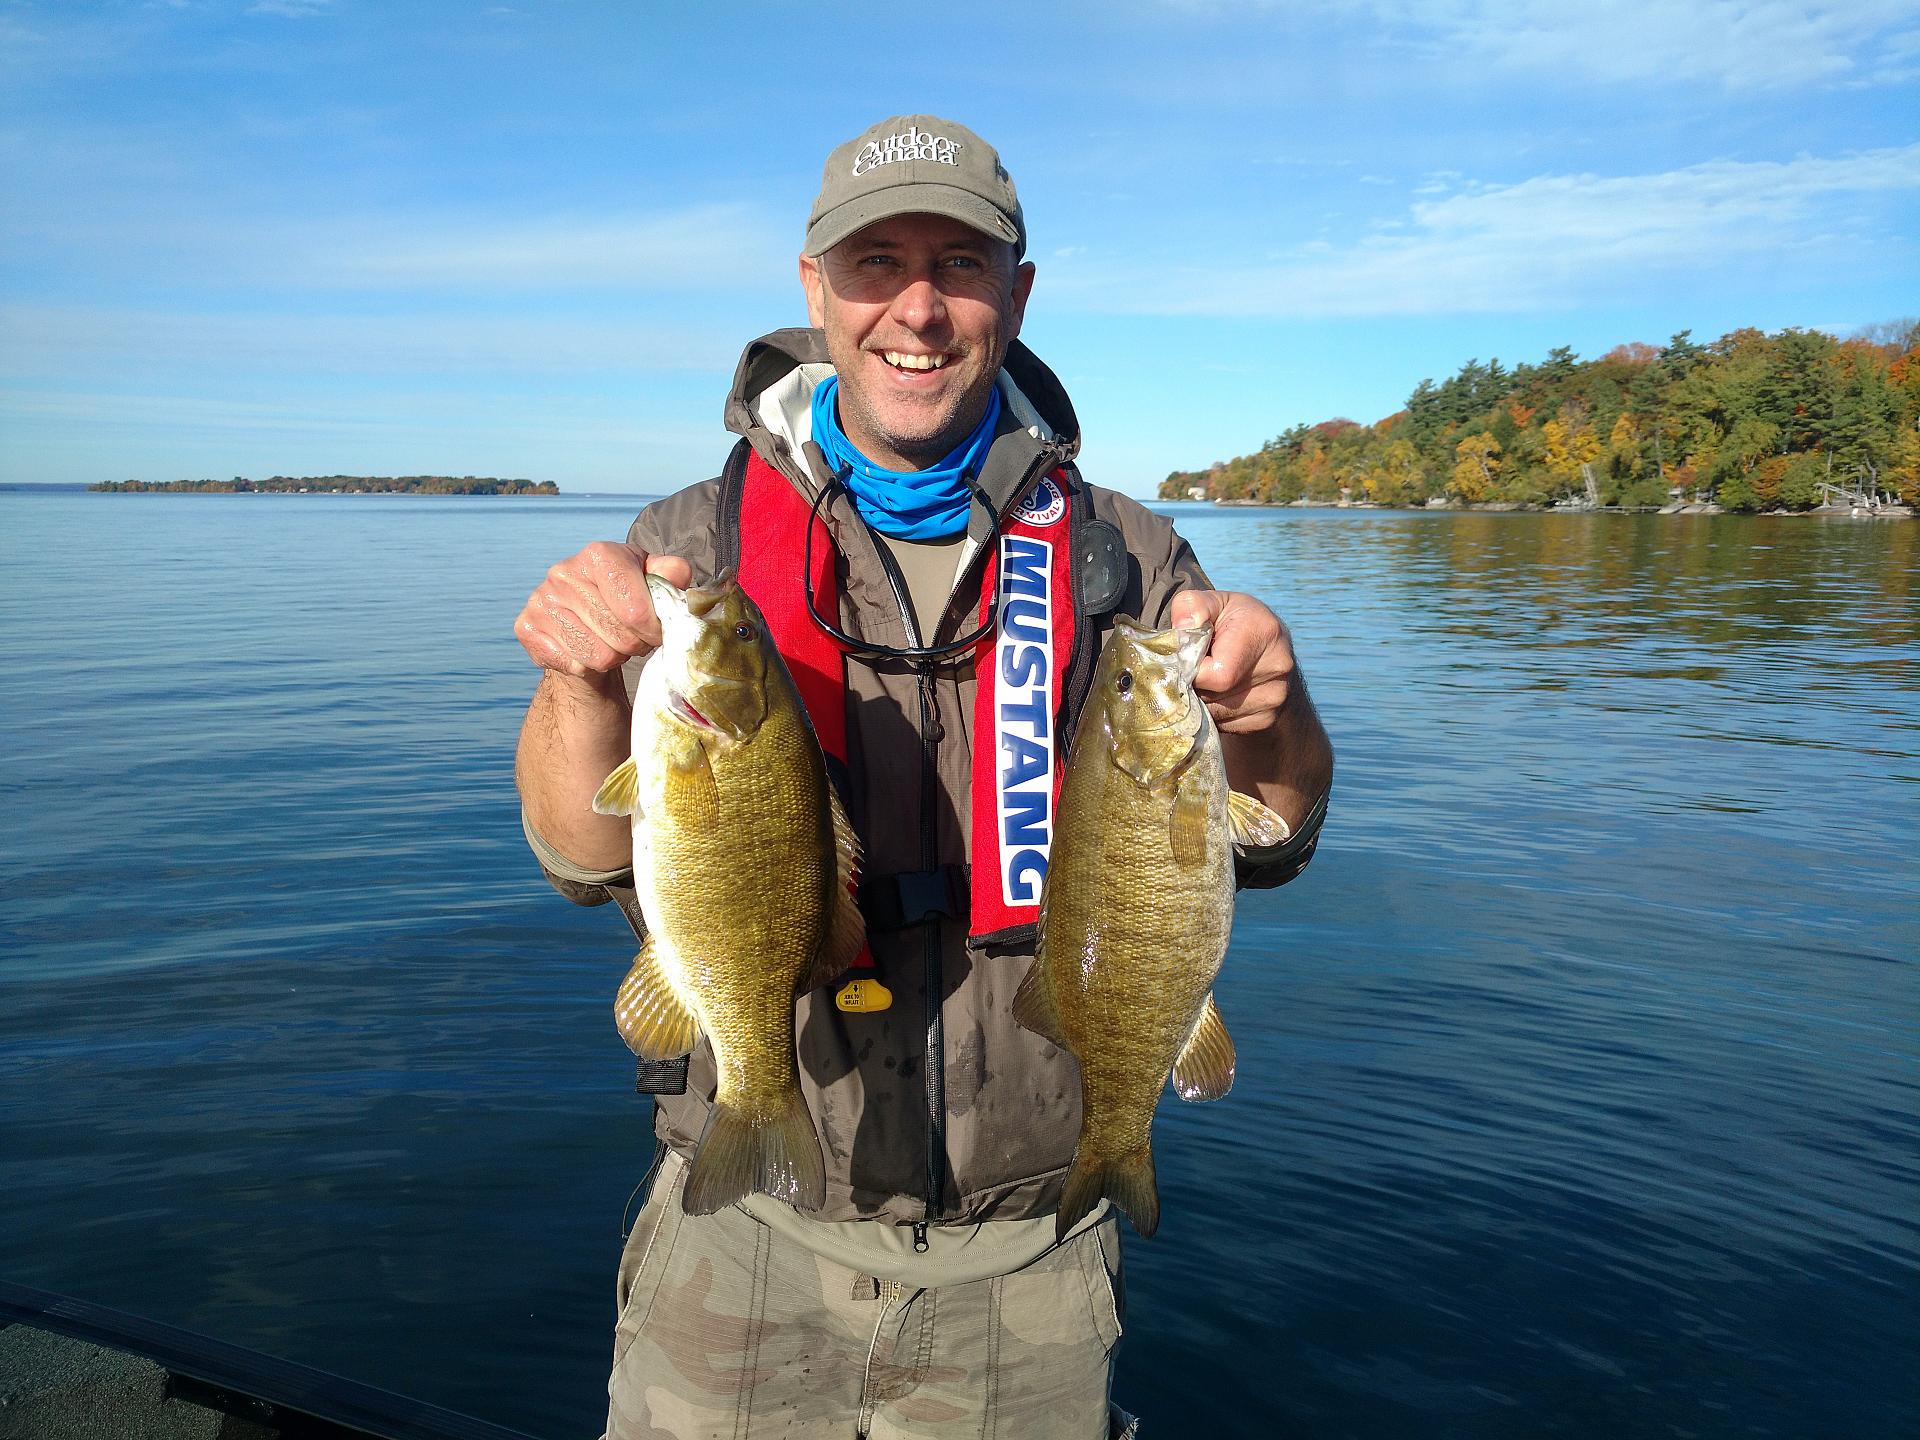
x=670, y=568
x=1194, y=607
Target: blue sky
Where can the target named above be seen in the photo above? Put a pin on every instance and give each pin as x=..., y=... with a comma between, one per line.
x=318, y=236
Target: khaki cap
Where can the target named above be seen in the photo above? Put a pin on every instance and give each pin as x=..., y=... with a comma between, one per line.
x=915, y=165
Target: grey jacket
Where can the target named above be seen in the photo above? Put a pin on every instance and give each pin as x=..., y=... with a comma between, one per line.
x=942, y=1108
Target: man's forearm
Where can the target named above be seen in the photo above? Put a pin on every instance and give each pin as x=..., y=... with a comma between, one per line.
x=1287, y=766
x=576, y=732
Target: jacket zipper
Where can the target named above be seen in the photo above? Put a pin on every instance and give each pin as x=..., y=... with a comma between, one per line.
x=936, y=1060
x=936, y=1052
x=936, y=977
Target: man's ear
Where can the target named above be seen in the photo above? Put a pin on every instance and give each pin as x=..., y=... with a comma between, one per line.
x=1022, y=287
x=813, y=283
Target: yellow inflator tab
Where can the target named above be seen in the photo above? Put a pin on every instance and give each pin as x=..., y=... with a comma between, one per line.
x=863, y=996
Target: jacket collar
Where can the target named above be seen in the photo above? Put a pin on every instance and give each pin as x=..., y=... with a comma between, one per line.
x=772, y=396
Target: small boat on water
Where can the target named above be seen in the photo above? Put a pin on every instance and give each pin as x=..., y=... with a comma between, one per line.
x=71, y=1370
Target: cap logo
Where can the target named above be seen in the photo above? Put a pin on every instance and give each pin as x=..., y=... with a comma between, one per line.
x=911, y=144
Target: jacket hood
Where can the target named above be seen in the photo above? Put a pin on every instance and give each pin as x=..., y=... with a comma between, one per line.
x=770, y=405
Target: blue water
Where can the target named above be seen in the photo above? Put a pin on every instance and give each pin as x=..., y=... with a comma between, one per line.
x=1577, y=1085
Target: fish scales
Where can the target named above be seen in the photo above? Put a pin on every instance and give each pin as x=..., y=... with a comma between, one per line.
x=743, y=863
x=745, y=934
x=1147, y=934
x=1136, y=911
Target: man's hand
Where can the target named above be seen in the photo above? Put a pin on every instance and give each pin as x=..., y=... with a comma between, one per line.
x=1248, y=672
x=1270, y=736
x=593, y=613
x=589, y=617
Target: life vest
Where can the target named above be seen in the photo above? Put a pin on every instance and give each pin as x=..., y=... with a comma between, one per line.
x=1030, y=674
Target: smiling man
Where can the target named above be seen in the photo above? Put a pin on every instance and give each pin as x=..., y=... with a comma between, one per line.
x=904, y=506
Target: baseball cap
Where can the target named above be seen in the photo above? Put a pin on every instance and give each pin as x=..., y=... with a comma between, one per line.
x=915, y=165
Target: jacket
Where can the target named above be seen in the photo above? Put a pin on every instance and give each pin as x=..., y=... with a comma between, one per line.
x=941, y=1109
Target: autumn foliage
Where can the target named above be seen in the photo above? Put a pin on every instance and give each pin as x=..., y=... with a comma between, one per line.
x=1752, y=422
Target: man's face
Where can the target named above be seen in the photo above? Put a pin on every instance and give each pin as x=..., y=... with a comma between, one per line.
x=918, y=312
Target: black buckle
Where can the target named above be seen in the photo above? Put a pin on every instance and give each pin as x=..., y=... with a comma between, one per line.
x=913, y=897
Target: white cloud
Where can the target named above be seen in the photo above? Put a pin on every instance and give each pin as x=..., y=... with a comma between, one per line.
x=712, y=244
x=731, y=246
x=1739, y=45
x=291, y=9
x=302, y=417
x=1546, y=243
x=41, y=340
x=1734, y=44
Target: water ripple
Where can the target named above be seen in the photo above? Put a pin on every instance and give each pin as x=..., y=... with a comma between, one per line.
x=1578, y=1077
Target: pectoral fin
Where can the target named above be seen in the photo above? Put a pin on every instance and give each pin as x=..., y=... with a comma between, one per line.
x=650, y=1017
x=1204, y=1070
x=1253, y=823
x=847, y=931
x=690, y=782
x=620, y=792
x=1034, y=1007
x=1189, y=822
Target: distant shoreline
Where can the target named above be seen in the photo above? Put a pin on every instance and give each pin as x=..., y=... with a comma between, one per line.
x=332, y=485
x=1844, y=512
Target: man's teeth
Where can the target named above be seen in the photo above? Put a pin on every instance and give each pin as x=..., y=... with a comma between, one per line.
x=912, y=362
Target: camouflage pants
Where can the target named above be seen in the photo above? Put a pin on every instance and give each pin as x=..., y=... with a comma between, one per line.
x=728, y=1330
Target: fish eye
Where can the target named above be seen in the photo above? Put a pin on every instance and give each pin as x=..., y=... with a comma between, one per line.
x=1125, y=682
x=743, y=630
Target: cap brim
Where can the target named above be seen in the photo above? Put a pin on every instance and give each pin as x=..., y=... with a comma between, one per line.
x=920, y=198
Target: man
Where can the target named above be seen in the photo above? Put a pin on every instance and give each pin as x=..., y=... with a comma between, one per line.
x=928, y=1296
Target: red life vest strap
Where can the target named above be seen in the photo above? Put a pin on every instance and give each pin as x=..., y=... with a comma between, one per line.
x=1019, y=704
x=1020, y=671
x=773, y=521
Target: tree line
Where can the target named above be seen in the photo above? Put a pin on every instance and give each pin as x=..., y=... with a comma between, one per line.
x=341, y=484
x=1750, y=422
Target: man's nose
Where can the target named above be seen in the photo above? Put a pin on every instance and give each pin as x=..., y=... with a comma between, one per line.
x=920, y=305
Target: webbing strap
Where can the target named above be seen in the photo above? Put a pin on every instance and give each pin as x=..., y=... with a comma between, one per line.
x=912, y=897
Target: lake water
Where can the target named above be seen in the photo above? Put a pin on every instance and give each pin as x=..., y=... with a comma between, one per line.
x=1577, y=1085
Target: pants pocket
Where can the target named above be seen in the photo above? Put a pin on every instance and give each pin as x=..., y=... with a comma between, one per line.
x=1098, y=1253
x=643, y=1261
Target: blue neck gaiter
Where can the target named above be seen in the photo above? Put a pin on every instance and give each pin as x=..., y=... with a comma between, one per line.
x=926, y=504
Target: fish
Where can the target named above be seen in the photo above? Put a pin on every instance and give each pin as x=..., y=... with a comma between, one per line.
x=1135, y=911
x=743, y=859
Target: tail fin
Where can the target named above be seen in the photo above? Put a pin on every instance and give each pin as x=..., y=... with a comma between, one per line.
x=1126, y=1180
x=779, y=1156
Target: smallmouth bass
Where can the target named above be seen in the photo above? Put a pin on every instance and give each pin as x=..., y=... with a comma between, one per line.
x=1136, y=909
x=743, y=858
